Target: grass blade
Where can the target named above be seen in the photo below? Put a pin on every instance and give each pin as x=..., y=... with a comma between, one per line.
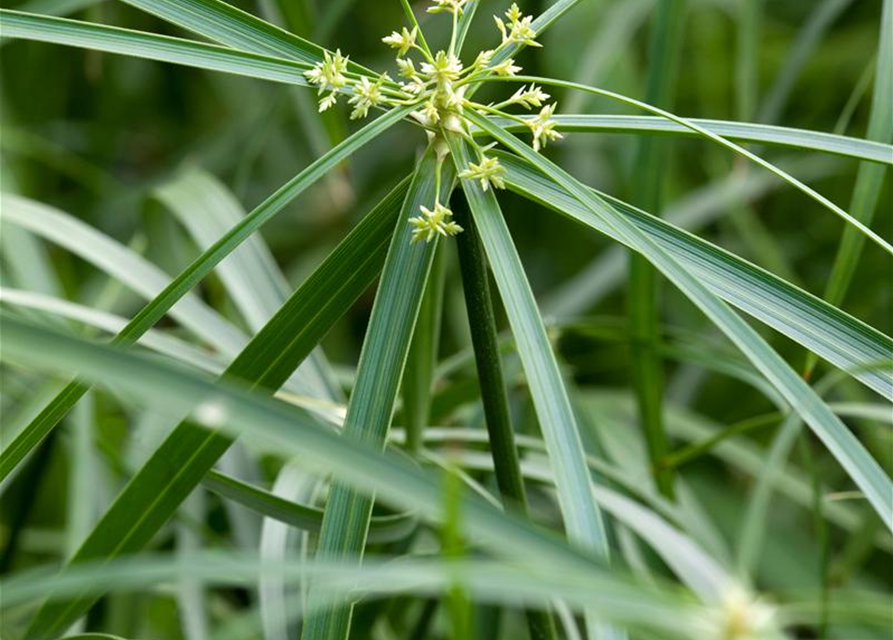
x=582, y=518
x=800, y=139
x=465, y=21
x=208, y=210
x=123, y=264
x=186, y=281
x=190, y=450
x=371, y=405
x=227, y=25
x=820, y=327
x=539, y=556
x=791, y=180
x=840, y=441
x=137, y=44
x=422, y=358
x=158, y=341
x=667, y=615
x=870, y=179
x=381, y=529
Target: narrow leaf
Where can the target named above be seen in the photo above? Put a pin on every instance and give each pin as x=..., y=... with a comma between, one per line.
x=843, y=445
x=190, y=450
x=582, y=518
x=381, y=529
x=188, y=279
x=379, y=372
x=834, y=335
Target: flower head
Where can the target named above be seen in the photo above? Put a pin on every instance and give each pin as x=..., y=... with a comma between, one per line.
x=456, y=7
x=446, y=68
x=741, y=616
x=407, y=68
x=506, y=68
x=489, y=171
x=329, y=76
x=519, y=29
x=433, y=223
x=402, y=41
x=366, y=95
x=484, y=58
x=543, y=127
x=529, y=98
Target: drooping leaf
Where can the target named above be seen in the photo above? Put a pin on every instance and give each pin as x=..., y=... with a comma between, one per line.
x=187, y=454
x=840, y=441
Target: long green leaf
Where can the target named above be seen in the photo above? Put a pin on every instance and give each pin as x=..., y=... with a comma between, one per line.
x=190, y=450
x=57, y=7
x=582, y=518
x=418, y=376
x=839, y=440
x=156, y=340
x=250, y=274
x=122, y=263
x=661, y=611
x=193, y=274
x=791, y=180
x=801, y=139
x=834, y=335
x=137, y=44
x=175, y=391
x=381, y=528
x=227, y=25
x=693, y=211
x=379, y=372
x=224, y=23
x=870, y=178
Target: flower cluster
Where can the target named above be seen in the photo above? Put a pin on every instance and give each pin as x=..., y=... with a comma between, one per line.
x=489, y=171
x=740, y=616
x=431, y=223
x=437, y=85
x=456, y=7
x=543, y=127
x=519, y=29
x=329, y=75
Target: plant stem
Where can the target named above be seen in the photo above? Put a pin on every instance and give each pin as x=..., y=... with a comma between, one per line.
x=482, y=321
x=646, y=366
x=407, y=9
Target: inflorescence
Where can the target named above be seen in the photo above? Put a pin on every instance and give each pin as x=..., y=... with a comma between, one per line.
x=437, y=84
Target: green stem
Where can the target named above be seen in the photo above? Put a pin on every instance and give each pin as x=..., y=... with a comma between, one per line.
x=482, y=321
x=407, y=9
x=697, y=449
x=453, y=34
x=646, y=366
x=870, y=179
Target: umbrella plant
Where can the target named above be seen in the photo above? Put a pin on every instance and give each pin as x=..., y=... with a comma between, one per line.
x=483, y=129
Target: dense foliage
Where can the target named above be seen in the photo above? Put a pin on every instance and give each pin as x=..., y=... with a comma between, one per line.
x=569, y=323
